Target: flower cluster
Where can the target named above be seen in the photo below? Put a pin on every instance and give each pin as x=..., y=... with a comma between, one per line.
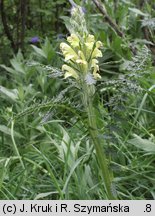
x=81, y=56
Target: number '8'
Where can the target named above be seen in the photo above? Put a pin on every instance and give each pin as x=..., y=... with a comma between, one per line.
x=148, y=208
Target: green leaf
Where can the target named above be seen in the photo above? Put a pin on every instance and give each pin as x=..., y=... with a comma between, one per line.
x=39, y=51
x=8, y=69
x=12, y=94
x=137, y=12
x=7, y=131
x=143, y=144
x=43, y=195
x=75, y=165
x=44, y=12
x=17, y=66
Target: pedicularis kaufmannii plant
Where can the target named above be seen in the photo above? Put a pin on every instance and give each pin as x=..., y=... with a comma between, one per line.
x=81, y=52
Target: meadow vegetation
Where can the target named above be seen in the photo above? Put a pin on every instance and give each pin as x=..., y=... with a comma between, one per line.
x=77, y=99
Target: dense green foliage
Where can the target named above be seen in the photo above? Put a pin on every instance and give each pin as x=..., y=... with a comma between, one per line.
x=45, y=148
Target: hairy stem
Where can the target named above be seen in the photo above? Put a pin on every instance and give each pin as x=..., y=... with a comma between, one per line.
x=101, y=157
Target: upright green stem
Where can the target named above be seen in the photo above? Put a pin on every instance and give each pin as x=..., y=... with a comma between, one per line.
x=88, y=102
x=15, y=146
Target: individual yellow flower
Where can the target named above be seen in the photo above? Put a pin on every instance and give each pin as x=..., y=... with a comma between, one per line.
x=69, y=71
x=83, y=65
x=70, y=56
x=73, y=40
x=68, y=52
x=90, y=39
x=98, y=44
x=82, y=61
x=94, y=62
x=81, y=55
x=96, y=53
x=95, y=66
x=89, y=44
x=95, y=74
x=64, y=46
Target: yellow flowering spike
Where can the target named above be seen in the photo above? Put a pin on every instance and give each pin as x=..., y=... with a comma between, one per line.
x=83, y=53
x=69, y=71
x=73, y=40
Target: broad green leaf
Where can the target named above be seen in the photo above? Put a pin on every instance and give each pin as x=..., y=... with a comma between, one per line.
x=39, y=51
x=7, y=131
x=143, y=144
x=8, y=69
x=138, y=12
x=17, y=66
x=11, y=93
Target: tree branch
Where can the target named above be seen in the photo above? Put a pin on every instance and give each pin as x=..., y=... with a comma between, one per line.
x=23, y=21
x=6, y=27
x=108, y=18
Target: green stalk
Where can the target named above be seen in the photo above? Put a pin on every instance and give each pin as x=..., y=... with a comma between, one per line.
x=88, y=102
x=15, y=146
